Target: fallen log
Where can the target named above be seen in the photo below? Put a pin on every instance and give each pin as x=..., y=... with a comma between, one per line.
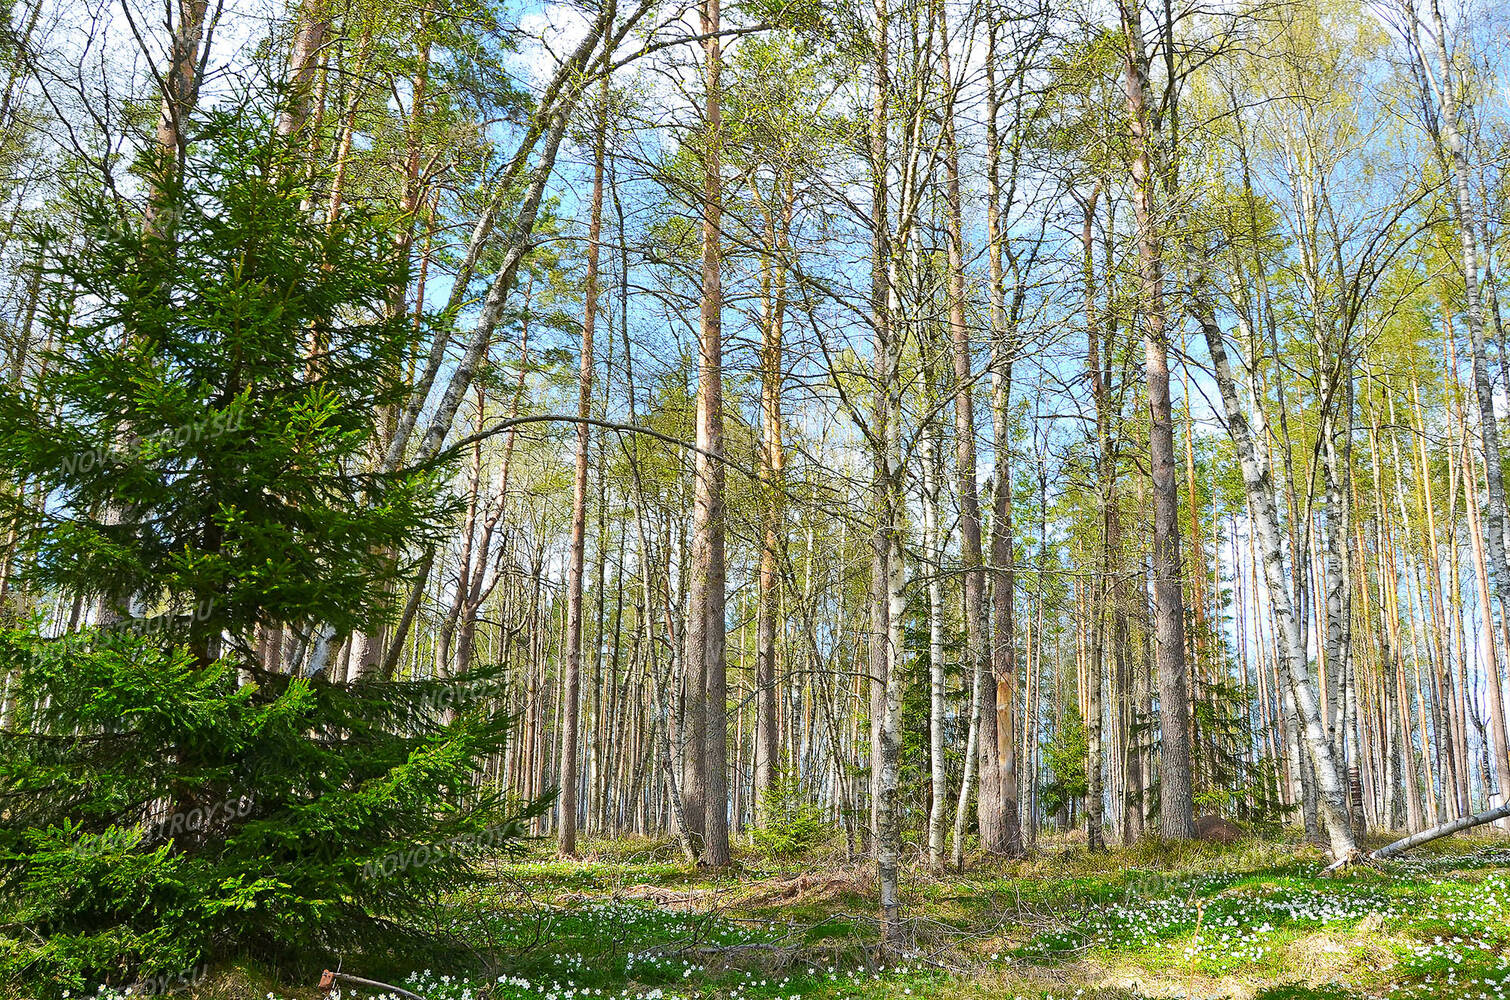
x=1415, y=840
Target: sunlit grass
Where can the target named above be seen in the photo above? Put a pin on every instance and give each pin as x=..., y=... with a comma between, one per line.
x=631, y=920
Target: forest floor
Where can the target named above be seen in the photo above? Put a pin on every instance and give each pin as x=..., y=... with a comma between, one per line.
x=1253, y=921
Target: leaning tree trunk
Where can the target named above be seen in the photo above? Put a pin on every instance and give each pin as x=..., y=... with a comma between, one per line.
x=1415, y=840
x=1258, y=484
x=1437, y=832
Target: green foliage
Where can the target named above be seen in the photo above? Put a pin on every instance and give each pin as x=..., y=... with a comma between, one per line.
x=1065, y=756
x=204, y=443
x=792, y=824
x=212, y=404
x=188, y=817
x=1228, y=781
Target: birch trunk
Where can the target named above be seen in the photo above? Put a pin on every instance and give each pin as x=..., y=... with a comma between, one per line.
x=1495, y=516
x=1291, y=646
x=934, y=540
x=880, y=301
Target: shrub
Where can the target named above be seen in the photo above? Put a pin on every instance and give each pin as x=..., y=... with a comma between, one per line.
x=158, y=814
x=791, y=825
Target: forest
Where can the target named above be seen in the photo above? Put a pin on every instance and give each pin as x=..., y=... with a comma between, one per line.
x=754, y=499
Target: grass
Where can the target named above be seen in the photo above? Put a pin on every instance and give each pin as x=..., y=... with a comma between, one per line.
x=631, y=921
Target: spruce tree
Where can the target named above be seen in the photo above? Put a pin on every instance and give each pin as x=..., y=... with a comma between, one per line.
x=203, y=440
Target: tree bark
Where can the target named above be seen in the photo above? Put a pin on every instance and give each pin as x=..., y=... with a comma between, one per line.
x=935, y=540
x=996, y=690
x=1176, y=805
x=978, y=653
x=880, y=310
x=1106, y=480
x=309, y=41
x=1496, y=514
x=705, y=658
x=566, y=844
x=1291, y=646
x=773, y=510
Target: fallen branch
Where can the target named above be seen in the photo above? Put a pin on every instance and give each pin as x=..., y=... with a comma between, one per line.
x=1427, y=836
x=328, y=982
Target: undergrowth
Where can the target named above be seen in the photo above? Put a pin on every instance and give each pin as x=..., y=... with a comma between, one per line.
x=631, y=921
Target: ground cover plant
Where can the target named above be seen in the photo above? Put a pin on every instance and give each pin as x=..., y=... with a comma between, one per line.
x=1252, y=922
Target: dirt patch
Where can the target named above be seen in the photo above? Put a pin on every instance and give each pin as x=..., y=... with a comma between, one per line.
x=1100, y=979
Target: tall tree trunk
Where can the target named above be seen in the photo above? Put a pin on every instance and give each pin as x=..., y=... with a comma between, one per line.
x=181, y=82
x=566, y=843
x=313, y=28
x=978, y=653
x=1176, y=805
x=1444, y=82
x=996, y=691
x=934, y=541
x=1106, y=481
x=1338, y=658
x=889, y=833
x=705, y=659
x=773, y=510
x=880, y=310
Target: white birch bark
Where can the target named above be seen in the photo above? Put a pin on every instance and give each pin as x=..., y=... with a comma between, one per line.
x=1259, y=487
